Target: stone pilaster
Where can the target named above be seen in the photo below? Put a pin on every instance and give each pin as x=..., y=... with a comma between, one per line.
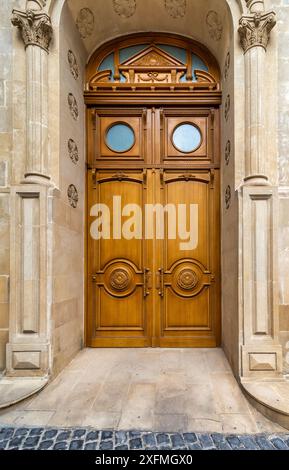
x=261, y=354
x=28, y=350
x=36, y=31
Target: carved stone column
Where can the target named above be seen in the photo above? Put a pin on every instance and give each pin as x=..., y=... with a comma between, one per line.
x=36, y=30
x=261, y=351
x=29, y=347
x=254, y=33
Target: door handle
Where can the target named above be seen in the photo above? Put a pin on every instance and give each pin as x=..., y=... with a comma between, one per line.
x=160, y=285
x=146, y=276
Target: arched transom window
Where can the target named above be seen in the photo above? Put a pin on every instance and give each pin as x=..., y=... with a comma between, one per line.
x=153, y=61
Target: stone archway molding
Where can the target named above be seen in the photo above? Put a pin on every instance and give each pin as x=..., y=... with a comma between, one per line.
x=29, y=348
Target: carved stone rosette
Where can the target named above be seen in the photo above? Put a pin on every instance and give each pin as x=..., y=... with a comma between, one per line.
x=254, y=30
x=72, y=195
x=35, y=27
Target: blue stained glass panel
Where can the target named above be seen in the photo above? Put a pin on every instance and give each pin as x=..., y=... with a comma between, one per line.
x=198, y=64
x=107, y=64
x=120, y=138
x=187, y=138
x=177, y=52
x=128, y=52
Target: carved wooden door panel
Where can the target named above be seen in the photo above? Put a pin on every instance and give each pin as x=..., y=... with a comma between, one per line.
x=188, y=277
x=118, y=267
x=160, y=290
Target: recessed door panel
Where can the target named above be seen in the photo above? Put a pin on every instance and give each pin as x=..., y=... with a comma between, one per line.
x=117, y=263
x=158, y=288
x=189, y=274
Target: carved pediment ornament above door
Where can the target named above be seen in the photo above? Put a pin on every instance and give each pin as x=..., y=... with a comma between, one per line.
x=151, y=66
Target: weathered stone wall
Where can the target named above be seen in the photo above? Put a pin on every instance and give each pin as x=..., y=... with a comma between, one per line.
x=5, y=166
x=68, y=220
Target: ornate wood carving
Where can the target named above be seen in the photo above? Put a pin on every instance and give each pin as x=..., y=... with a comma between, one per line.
x=254, y=30
x=153, y=65
x=35, y=27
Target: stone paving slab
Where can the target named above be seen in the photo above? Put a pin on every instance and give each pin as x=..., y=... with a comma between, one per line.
x=32, y=438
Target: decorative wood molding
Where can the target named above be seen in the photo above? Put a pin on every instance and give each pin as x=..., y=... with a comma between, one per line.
x=153, y=66
x=35, y=27
x=152, y=70
x=254, y=30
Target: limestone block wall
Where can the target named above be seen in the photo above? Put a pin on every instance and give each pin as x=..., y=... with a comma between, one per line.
x=282, y=9
x=229, y=214
x=68, y=213
x=5, y=167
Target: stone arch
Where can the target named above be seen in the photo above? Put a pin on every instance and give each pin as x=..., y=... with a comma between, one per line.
x=250, y=330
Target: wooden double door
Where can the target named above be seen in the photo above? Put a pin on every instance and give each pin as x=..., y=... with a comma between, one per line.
x=153, y=227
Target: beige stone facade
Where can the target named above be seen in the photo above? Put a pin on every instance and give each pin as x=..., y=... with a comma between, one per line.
x=42, y=176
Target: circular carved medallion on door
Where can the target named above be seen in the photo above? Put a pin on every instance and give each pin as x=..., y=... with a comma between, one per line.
x=119, y=279
x=187, y=279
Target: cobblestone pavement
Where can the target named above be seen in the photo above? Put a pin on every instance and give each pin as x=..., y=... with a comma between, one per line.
x=87, y=439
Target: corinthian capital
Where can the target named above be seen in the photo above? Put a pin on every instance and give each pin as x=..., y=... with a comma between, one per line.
x=35, y=27
x=255, y=29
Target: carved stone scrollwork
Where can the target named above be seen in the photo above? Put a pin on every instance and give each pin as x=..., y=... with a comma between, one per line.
x=227, y=107
x=85, y=22
x=73, y=151
x=72, y=195
x=254, y=30
x=228, y=152
x=214, y=25
x=35, y=4
x=255, y=5
x=227, y=65
x=72, y=103
x=73, y=64
x=228, y=196
x=124, y=8
x=35, y=27
x=176, y=8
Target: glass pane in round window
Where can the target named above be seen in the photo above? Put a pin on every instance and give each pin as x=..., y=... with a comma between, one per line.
x=120, y=137
x=187, y=138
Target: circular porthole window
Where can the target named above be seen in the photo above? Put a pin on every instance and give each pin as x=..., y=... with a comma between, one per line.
x=120, y=138
x=187, y=138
